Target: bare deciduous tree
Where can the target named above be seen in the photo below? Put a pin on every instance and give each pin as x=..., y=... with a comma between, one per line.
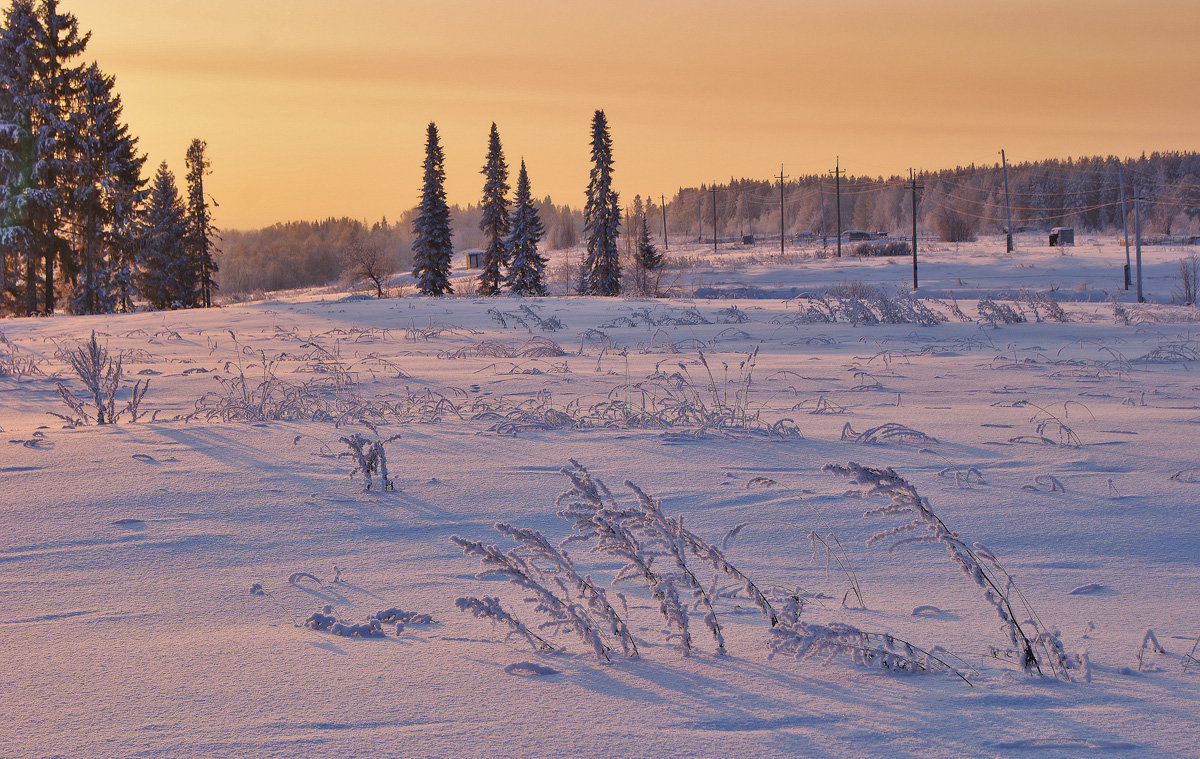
x=364, y=260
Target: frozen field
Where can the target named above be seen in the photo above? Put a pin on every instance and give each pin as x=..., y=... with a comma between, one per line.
x=128, y=552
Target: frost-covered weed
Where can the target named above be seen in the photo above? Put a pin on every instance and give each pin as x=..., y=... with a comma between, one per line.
x=1045, y=483
x=101, y=375
x=1046, y=424
x=639, y=534
x=1036, y=645
x=523, y=317
x=13, y=364
x=861, y=305
x=642, y=533
x=891, y=432
x=676, y=403
x=560, y=613
x=809, y=640
x=370, y=461
x=1149, y=643
x=556, y=564
x=1044, y=307
x=489, y=607
x=997, y=312
x=1178, y=352
x=535, y=347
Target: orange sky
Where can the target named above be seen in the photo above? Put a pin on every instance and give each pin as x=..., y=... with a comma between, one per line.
x=313, y=108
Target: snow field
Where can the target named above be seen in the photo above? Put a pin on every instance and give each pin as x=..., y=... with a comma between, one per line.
x=129, y=551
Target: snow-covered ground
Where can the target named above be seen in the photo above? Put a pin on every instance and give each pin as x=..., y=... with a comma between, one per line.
x=128, y=552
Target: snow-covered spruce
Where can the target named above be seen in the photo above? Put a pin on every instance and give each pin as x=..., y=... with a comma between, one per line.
x=560, y=614
x=166, y=277
x=601, y=273
x=494, y=222
x=527, y=267
x=1036, y=645
x=432, y=250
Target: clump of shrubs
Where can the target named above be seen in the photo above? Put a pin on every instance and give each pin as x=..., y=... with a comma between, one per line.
x=876, y=248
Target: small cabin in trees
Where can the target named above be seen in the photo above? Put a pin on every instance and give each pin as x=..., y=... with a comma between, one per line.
x=1060, y=236
x=474, y=259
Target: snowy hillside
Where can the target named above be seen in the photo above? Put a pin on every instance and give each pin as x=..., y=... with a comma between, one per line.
x=173, y=586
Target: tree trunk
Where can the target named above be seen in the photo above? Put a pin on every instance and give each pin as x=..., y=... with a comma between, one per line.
x=48, y=284
x=30, y=283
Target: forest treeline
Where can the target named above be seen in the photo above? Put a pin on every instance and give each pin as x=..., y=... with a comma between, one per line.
x=958, y=203
x=307, y=253
x=79, y=228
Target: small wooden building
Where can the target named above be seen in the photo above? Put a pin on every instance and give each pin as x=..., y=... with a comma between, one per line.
x=1060, y=236
x=474, y=259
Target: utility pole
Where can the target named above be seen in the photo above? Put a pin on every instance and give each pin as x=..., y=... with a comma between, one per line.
x=1137, y=232
x=782, y=177
x=824, y=230
x=663, y=206
x=700, y=217
x=912, y=177
x=1124, y=222
x=714, y=194
x=1007, y=205
x=837, y=173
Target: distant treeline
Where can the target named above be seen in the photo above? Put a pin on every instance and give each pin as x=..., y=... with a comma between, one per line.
x=307, y=253
x=956, y=204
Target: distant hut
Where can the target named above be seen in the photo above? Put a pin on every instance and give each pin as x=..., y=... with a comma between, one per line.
x=1060, y=236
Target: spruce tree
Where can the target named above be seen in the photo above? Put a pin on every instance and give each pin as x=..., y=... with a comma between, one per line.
x=525, y=272
x=494, y=223
x=56, y=141
x=166, y=274
x=126, y=193
x=432, y=251
x=103, y=149
x=646, y=257
x=601, y=273
x=18, y=98
x=200, y=232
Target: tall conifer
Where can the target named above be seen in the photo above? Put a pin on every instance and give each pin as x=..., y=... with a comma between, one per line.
x=432, y=250
x=18, y=98
x=200, y=229
x=166, y=273
x=525, y=273
x=601, y=273
x=494, y=223
x=56, y=141
x=646, y=256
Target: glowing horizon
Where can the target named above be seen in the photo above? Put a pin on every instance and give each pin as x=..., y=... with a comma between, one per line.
x=312, y=110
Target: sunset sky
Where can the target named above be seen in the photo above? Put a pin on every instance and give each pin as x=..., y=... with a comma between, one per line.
x=313, y=108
